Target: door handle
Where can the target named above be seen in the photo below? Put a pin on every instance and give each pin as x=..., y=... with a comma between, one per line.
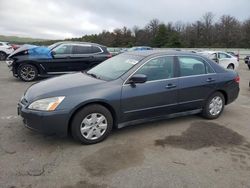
x=210, y=80
x=170, y=86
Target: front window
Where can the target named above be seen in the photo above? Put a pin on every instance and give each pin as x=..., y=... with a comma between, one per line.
x=63, y=49
x=158, y=69
x=115, y=67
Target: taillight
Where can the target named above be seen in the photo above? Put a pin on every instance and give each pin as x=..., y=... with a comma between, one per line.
x=237, y=79
x=110, y=55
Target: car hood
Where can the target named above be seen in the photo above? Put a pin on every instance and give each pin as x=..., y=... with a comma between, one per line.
x=61, y=86
x=32, y=52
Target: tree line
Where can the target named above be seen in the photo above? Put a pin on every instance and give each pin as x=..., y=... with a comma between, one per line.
x=226, y=32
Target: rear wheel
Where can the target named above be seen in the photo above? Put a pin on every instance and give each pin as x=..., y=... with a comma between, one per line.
x=27, y=72
x=230, y=66
x=92, y=124
x=3, y=56
x=214, y=106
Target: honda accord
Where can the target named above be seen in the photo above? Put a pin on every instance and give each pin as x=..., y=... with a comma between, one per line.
x=129, y=88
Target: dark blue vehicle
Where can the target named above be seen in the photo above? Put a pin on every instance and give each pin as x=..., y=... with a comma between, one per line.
x=129, y=88
x=30, y=61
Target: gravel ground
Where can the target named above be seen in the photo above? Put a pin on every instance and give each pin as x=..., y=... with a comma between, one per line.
x=182, y=152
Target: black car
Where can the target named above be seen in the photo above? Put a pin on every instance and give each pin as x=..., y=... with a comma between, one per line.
x=247, y=61
x=129, y=88
x=29, y=61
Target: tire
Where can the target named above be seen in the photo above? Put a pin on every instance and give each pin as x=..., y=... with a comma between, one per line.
x=248, y=67
x=3, y=56
x=27, y=72
x=85, y=127
x=230, y=66
x=215, y=99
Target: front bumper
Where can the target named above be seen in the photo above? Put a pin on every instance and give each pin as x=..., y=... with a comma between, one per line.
x=55, y=122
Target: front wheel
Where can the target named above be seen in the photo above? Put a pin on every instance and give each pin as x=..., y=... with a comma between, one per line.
x=91, y=124
x=27, y=72
x=214, y=106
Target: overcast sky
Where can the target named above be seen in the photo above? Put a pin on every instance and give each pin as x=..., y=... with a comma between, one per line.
x=58, y=19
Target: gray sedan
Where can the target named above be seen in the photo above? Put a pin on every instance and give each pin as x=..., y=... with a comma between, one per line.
x=130, y=88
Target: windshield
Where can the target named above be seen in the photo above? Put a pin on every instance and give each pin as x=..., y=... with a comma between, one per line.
x=113, y=68
x=53, y=45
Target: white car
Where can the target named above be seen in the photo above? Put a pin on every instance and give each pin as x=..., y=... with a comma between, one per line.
x=5, y=50
x=222, y=58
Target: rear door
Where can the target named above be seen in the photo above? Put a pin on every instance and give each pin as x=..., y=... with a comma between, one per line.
x=82, y=57
x=197, y=81
x=157, y=96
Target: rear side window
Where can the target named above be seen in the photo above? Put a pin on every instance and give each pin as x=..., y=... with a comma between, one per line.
x=80, y=49
x=158, y=69
x=222, y=55
x=193, y=66
x=95, y=49
x=1, y=44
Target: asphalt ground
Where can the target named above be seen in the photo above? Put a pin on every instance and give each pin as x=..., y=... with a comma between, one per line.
x=182, y=152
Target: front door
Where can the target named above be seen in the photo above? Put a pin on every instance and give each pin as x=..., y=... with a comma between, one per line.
x=62, y=57
x=157, y=96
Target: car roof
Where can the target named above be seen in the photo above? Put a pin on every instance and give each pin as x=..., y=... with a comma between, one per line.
x=147, y=53
x=79, y=42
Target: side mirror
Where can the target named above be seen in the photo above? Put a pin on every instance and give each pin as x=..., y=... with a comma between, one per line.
x=137, y=78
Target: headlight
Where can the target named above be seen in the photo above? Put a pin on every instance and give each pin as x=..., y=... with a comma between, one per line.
x=48, y=104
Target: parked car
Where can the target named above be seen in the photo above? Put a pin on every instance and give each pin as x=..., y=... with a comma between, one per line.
x=15, y=46
x=29, y=62
x=247, y=61
x=5, y=50
x=139, y=48
x=114, y=51
x=136, y=48
x=129, y=88
x=222, y=58
x=235, y=55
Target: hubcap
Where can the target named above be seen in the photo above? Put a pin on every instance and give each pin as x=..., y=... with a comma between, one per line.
x=215, y=106
x=93, y=126
x=27, y=73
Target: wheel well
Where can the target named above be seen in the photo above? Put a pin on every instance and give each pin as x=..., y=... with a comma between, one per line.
x=3, y=52
x=231, y=64
x=29, y=63
x=225, y=95
x=110, y=108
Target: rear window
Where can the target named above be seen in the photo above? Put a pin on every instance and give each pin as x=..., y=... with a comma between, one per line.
x=193, y=66
x=96, y=49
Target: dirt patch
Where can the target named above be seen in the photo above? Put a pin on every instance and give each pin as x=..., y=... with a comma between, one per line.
x=203, y=134
x=112, y=159
x=85, y=184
